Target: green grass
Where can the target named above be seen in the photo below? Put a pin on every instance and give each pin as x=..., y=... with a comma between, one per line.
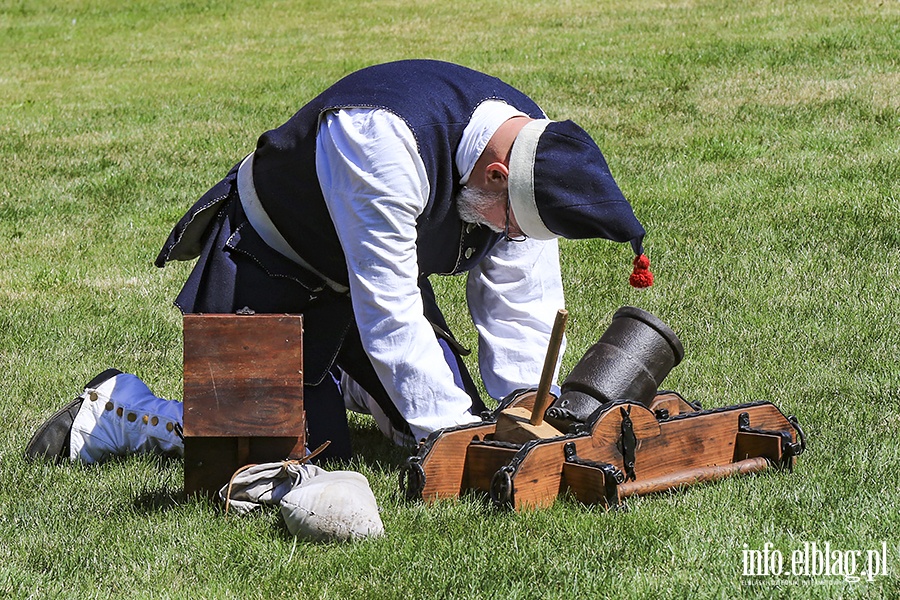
x=758, y=141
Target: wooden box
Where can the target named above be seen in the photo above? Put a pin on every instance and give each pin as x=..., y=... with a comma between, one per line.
x=243, y=395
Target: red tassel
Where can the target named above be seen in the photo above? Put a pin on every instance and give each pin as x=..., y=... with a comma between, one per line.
x=641, y=277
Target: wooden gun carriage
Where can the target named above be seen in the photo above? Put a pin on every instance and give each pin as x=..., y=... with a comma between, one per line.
x=635, y=441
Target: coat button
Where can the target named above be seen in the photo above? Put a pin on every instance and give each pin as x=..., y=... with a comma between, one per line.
x=470, y=252
x=93, y=396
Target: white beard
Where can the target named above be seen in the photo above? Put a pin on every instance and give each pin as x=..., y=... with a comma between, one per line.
x=471, y=204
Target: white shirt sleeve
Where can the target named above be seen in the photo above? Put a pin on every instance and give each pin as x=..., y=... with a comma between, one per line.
x=375, y=186
x=513, y=296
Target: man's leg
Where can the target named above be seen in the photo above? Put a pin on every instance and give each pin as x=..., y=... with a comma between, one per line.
x=326, y=419
x=115, y=415
x=236, y=269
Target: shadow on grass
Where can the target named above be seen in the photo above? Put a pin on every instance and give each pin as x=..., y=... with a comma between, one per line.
x=160, y=500
x=372, y=449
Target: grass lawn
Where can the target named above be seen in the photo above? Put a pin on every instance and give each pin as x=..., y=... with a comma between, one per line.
x=758, y=141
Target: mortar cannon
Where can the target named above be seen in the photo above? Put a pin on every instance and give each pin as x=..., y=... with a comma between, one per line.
x=609, y=435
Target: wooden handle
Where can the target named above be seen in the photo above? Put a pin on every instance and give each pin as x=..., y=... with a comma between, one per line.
x=691, y=476
x=543, y=398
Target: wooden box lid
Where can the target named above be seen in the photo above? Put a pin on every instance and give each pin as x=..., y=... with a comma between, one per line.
x=243, y=375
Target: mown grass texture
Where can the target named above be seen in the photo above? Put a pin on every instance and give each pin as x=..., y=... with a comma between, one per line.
x=758, y=142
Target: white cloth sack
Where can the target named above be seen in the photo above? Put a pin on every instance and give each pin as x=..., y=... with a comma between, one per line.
x=316, y=504
x=336, y=505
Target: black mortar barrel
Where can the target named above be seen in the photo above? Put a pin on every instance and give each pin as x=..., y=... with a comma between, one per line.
x=630, y=361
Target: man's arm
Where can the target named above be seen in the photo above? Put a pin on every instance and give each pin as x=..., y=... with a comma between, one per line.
x=513, y=297
x=375, y=185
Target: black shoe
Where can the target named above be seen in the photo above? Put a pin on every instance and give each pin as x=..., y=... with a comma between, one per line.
x=51, y=440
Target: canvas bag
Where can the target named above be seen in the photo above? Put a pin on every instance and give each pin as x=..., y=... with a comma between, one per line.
x=316, y=504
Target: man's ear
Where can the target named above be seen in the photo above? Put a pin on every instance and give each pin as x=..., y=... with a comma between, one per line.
x=496, y=176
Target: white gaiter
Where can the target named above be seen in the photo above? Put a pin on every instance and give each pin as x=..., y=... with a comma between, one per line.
x=121, y=416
